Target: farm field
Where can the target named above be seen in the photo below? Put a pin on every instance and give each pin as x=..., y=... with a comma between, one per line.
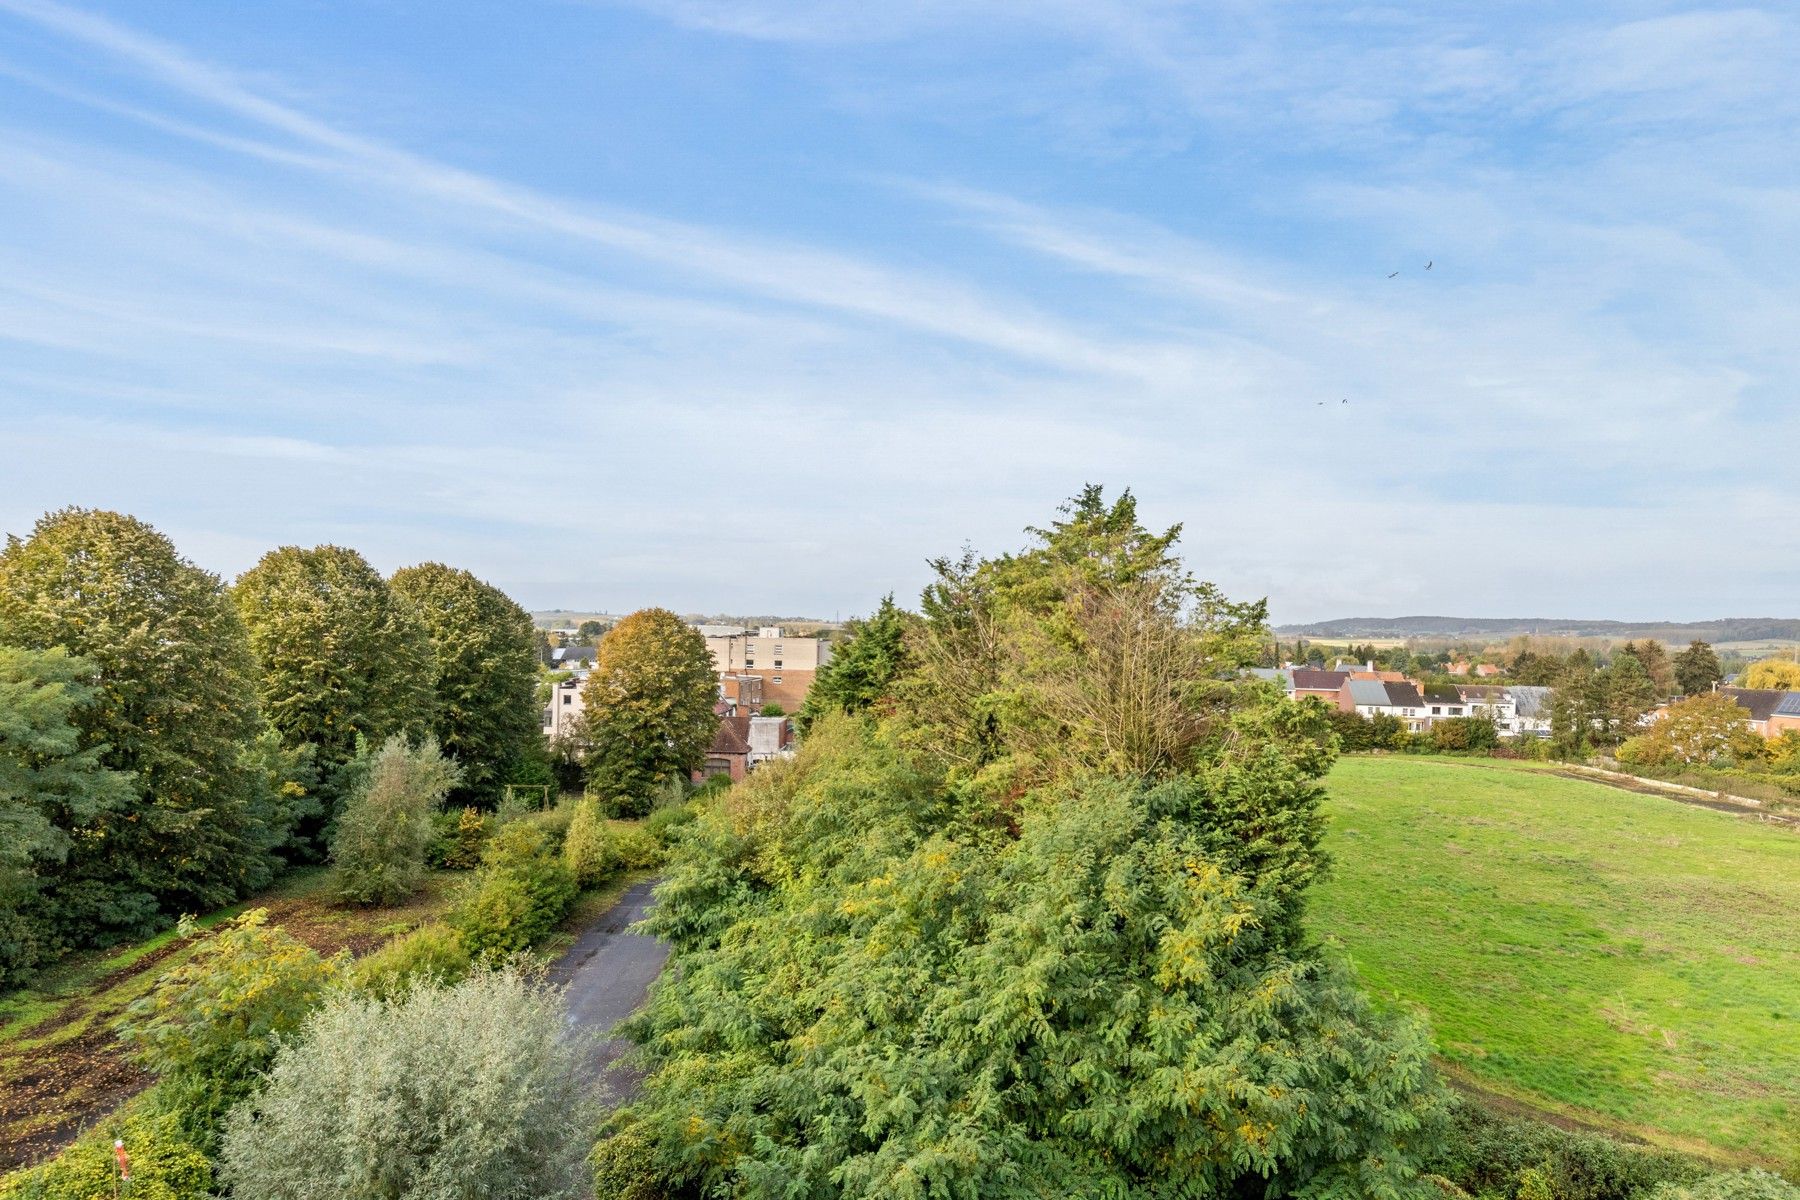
x=1611, y=956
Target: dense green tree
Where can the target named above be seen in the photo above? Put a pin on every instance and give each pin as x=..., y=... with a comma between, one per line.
x=862, y=669
x=1696, y=669
x=1035, y=931
x=1655, y=657
x=648, y=709
x=485, y=712
x=51, y=789
x=1578, y=713
x=1629, y=692
x=341, y=658
x=589, y=633
x=175, y=709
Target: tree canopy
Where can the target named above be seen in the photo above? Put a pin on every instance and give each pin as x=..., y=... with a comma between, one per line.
x=1779, y=673
x=484, y=710
x=51, y=789
x=341, y=661
x=648, y=708
x=862, y=670
x=174, y=709
x=1036, y=930
x=1696, y=669
x=1698, y=729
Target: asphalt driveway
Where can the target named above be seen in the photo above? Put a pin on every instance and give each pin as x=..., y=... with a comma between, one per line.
x=605, y=976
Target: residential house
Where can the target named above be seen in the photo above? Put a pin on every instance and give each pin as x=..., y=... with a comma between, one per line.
x=571, y=658
x=1377, y=697
x=744, y=742
x=1769, y=711
x=1306, y=681
x=562, y=716
x=1445, y=701
x=785, y=664
x=1495, y=703
x=1531, y=709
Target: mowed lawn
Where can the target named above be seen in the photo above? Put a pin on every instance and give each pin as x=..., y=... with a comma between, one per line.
x=1602, y=951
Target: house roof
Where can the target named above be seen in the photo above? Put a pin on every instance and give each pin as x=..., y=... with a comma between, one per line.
x=1532, y=700
x=1368, y=691
x=562, y=654
x=1443, y=694
x=733, y=736
x=1308, y=679
x=1486, y=692
x=1403, y=695
x=1789, y=706
x=1758, y=703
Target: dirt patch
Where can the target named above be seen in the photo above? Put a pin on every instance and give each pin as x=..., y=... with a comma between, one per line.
x=1506, y=1106
x=1650, y=789
x=53, y=1093
x=50, y=1093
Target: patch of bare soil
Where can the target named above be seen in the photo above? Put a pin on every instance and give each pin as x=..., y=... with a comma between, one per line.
x=49, y=1094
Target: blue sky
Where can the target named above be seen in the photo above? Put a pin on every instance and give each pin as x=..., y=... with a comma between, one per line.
x=754, y=306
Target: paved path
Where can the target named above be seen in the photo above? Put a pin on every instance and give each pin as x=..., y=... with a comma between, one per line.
x=606, y=975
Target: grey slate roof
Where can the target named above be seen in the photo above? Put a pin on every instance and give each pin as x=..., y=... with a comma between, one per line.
x=1757, y=703
x=1789, y=706
x=1368, y=691
x=1404, y=695
x=1443, y=695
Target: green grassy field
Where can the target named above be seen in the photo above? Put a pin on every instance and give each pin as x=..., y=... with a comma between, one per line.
x=1585, y=949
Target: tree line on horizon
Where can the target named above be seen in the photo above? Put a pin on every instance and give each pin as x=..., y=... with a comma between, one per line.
x=170, y=744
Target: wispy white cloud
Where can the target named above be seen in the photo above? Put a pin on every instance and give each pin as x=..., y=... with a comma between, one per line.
x=348, y=339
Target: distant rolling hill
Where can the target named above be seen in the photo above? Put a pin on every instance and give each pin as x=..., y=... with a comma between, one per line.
x=1725, y=629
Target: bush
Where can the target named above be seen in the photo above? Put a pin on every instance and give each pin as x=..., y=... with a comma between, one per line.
x=212, y=1024
x=665, y=824
x=553, y=823
x=588, y=847
x=435, y=952
x=624, y=1168
x=386, y=829
x=460, y=835
x=519, y=894
x=1733, y=1185
x=164, y=1166
x=1490, y=1155
x=1464, y=733
x=440, y=1094
x=636, y=848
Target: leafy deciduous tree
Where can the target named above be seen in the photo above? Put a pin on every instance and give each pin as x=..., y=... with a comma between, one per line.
x=484, y=678
x=342, y=661
x=648, y=708
x=1698, y=729
x=175, y=709
x=50, y=789
x=1779, y=673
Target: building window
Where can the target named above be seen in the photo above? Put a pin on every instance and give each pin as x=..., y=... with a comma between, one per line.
x=749, y=662
x=568, y=699
x=775, y=679
x=778, y=664
x=1436, y=711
